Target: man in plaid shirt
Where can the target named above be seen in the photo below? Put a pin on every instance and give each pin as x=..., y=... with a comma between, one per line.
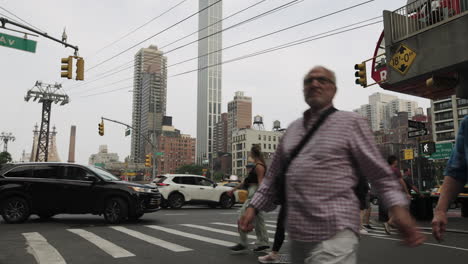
x=322, y=206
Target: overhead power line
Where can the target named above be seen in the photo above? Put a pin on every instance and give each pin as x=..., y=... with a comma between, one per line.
x=150, y=58
x=24, y=21
x=160, y=32
x=136, y=29
x=247, y=41
x=272, y=33
x=189, y=35
x=330, y=33
x=217, y=22
x=116, y=90
x=279, y=47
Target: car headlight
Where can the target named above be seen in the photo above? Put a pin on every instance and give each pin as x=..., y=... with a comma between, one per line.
x=140, y=189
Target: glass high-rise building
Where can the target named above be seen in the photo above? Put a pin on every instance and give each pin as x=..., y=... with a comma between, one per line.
x=149, y=99
x=209, y=77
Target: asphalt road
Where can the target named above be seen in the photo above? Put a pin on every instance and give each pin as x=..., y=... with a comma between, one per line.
x=190, y=235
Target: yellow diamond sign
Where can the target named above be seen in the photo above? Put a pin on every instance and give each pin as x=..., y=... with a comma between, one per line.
x=409, y=155
x=403, y=59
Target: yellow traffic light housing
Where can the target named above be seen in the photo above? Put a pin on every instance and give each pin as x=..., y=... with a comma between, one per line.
x=361, y=74
x=148, y=161
x=101, y=128
x=80, y=69
x=67, y=67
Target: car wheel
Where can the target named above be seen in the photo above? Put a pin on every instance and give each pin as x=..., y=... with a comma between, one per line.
x=176, y=200
x=226, y=201
x=15, y=210
x=116, y=210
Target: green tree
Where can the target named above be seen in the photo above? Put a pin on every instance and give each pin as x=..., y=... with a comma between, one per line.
x=218, y=176
x=190, y=169
x=5, y=157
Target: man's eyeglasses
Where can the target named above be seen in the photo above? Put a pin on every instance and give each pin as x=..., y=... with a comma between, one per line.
x=321, y=80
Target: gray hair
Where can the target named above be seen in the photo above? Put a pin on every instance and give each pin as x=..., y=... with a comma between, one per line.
x=332, y=73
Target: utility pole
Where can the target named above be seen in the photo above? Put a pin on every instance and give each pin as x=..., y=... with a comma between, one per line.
x=6, y=137
x=153, y=146
x=45, y=94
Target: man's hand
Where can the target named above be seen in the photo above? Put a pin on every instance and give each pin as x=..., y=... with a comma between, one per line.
x=407, y=226
x=246, y=220
x=439, y=224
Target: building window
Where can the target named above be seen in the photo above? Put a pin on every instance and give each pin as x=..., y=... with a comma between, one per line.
x=269, y=138
x=269, y=146
x=444, y=116
x=462, y=102
x=444, y=126
x=274, y=138
x=264, y=146
x=446, y=136
x=442, y=106
x=259, y=137
x=264, y=137
x=274, y=146
x=462, y=113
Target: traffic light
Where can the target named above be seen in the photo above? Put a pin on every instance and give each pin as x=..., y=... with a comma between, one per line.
x=80, y=69
x=361, y=74
x=67, y=67
x=101, y=128
x=148, y=162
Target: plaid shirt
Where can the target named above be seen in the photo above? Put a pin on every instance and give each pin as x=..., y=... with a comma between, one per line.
x=321, y=179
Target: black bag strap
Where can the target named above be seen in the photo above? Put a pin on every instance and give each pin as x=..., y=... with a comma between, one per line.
x=297, y=150
x=309, y=135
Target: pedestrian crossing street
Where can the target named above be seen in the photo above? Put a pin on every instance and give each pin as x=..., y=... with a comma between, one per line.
x=173, y=239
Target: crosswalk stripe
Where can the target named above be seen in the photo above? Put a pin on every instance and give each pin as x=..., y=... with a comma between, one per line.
x=429, y=244
x=271, y=221
x=151, y=240
x=376, y=235
x=230, y=233
x=193, y=236
x=43, y=252
x=377, y=231
x=381, y=228
x=232, y=225
x=108, y=247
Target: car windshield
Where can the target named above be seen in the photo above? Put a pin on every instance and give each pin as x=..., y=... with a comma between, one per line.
x=107, y=176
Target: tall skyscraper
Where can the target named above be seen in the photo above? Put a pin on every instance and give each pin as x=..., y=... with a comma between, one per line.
x=149, y=99
x=239, y=114
x=209, y=77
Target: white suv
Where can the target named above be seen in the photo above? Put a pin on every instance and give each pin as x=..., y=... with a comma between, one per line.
x=180, y=189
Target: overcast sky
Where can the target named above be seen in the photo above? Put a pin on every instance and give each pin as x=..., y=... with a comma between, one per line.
x=273, y=80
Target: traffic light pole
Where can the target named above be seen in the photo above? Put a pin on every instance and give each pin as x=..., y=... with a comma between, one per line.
x=419, y=164
x=153, y=147
x=5, y=21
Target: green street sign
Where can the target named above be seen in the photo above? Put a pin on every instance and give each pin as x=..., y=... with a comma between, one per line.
x=159, y=153
x=17, y=43
x=443, y=151
x=127, y=132
x=100, y=165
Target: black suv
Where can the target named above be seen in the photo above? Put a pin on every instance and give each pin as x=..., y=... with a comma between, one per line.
x=47, y=189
